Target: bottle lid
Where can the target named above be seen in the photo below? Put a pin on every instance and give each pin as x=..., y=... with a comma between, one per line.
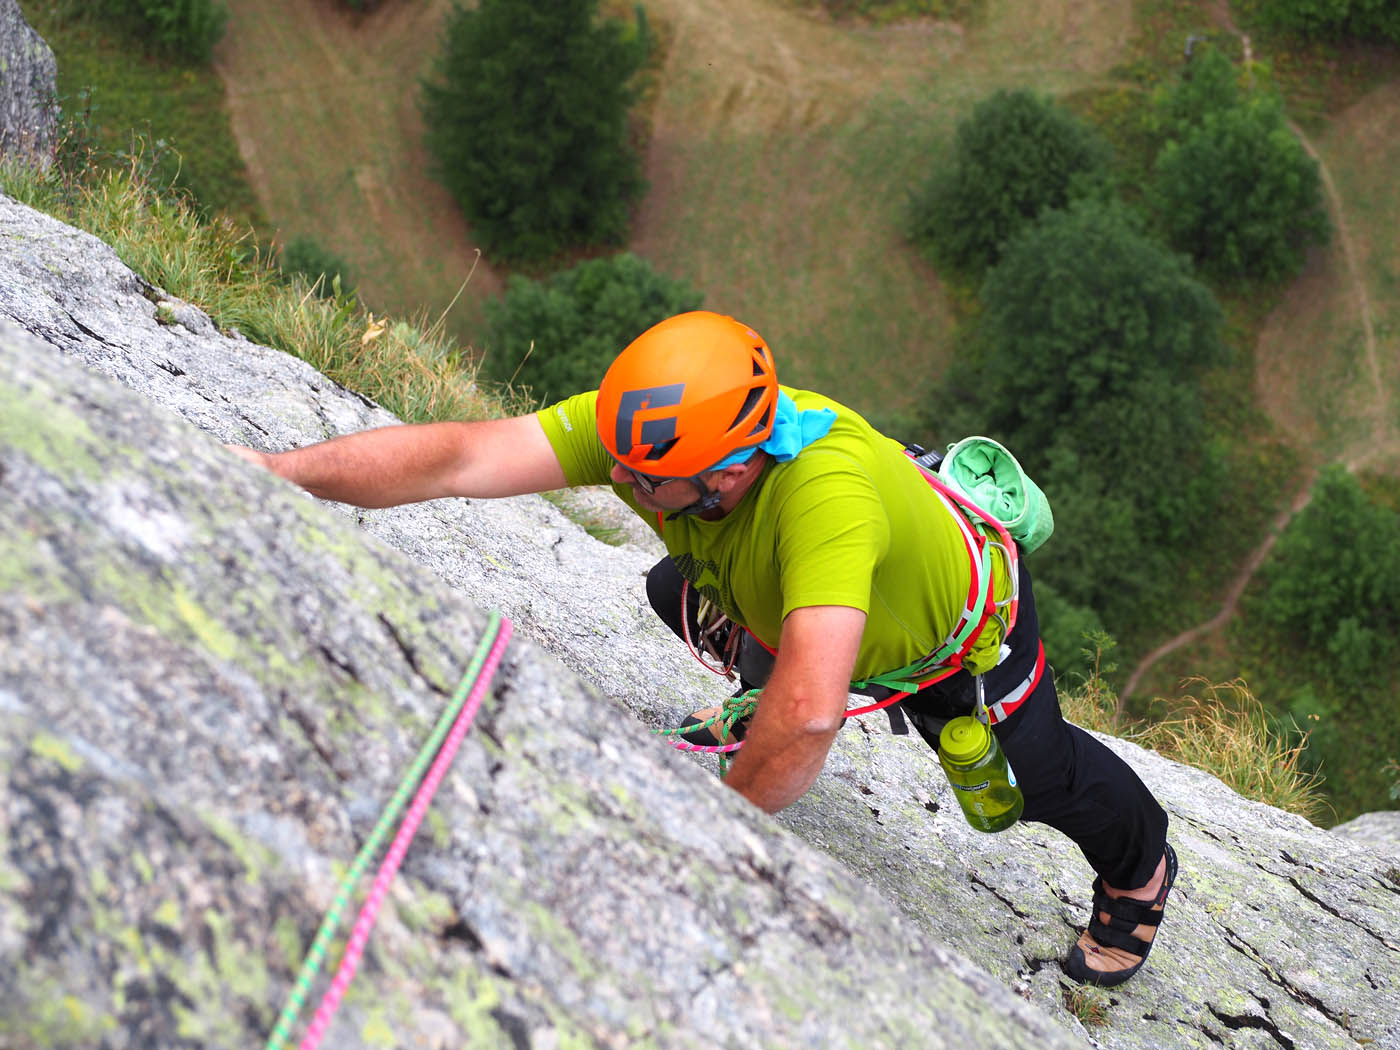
x=964, y=740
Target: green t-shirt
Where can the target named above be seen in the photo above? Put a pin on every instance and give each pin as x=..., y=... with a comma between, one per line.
x=849, y=521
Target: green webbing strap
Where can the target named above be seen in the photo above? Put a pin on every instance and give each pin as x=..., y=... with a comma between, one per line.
x=907, y=679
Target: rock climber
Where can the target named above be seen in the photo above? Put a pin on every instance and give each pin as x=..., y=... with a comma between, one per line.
x=809, y=539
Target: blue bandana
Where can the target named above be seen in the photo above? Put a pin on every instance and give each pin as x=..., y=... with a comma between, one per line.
x=792, y=432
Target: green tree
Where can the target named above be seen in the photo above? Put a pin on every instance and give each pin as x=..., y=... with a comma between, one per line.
x=1332, y=582
x=1085, y=363
x=1241, y=195
x=1330, y=19
x=1016, y=156
x=1067, y=631
x=526, y=119
x=577, y=320
x=1235, y=188
x=1208, y=84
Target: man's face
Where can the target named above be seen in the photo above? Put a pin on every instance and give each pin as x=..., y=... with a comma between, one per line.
x=667, y=495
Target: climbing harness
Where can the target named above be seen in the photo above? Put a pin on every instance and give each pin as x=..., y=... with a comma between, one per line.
x=718, y=647
x=439, y=750
x=982, y=534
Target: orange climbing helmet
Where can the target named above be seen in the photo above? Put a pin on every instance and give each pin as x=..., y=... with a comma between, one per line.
x=687, y=393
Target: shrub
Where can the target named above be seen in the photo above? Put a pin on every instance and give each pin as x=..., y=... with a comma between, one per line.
x=1332, y=582
x=526, y=119
x=1017, y=156
x=1241, y=195
x=1329, y=19
x=321, y=268
x=1208, y=84
x=187, y=28
x=577, y=321
x=1065, y=628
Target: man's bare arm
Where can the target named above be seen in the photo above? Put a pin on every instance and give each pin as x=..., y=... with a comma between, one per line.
x=407, y=464
x=802, y=706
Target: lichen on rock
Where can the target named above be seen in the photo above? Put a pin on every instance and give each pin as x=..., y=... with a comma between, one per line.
x=28, y=90
x=210, y=684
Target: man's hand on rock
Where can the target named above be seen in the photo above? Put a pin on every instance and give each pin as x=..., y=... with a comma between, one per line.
x=252, y=455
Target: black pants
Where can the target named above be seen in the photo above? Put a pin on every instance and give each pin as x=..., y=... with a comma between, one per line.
x=1070, y=780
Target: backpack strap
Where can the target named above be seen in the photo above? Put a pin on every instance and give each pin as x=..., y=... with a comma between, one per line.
x=981, y=534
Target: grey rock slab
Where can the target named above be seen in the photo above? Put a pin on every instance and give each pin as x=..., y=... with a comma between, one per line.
x=210, y=686
x=28, y=89
x=1380, y=831
x=1278, y=934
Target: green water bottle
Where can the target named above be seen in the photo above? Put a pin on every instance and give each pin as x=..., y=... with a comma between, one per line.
x=982, y=779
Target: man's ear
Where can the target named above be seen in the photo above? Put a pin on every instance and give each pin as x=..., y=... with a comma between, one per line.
x=730, y=477
x=725, y=480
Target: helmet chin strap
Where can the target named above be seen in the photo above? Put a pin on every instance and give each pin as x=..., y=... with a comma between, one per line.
x=709, y=500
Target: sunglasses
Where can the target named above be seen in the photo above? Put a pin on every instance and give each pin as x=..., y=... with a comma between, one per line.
x=646, y=482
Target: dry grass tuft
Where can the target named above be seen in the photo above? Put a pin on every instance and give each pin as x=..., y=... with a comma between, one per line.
x=1227, y=732
x=411, y=368
x=1088, y=1004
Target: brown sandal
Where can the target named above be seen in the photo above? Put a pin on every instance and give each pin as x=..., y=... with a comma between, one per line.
x=1125, y=915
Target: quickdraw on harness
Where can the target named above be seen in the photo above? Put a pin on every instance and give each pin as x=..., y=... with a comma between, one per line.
x=718, y=637
x=982, y=535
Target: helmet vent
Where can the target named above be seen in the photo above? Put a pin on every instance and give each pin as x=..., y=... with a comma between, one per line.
x=657, y=451
x=750, y=403
x=762, y=423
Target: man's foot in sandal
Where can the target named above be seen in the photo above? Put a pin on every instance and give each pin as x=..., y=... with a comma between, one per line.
x=709, y=728
x=1120, y=934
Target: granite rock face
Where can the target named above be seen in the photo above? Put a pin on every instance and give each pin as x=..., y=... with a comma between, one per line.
x=28, y=88
x=209, y=683
x=1379, y=831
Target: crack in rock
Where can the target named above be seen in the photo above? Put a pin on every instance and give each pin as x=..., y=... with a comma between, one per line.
x=410, y=655
x=86, y=330
x=1334, y=912
x=461, y=930
x=977, y=880
x=315, y=738
x=1264, y=1023
x=340, y=663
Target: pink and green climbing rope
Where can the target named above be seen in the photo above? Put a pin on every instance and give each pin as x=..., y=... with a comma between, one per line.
x=435, y=757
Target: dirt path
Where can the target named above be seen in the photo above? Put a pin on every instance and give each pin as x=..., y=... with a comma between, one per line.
x=323, y=103
x=1379, y=443
x=1358, y=284
x=1251, y=565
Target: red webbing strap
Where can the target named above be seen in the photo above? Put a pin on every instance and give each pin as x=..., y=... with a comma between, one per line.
x=1004, y=537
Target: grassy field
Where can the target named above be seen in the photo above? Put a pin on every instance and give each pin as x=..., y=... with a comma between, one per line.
x=323, y=102
x=122, y=98
x=782, y=150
